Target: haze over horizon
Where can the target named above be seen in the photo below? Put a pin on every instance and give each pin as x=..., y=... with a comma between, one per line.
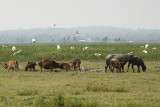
x=28, y=14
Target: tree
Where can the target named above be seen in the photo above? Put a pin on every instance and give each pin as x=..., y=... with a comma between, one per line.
x=105, y=39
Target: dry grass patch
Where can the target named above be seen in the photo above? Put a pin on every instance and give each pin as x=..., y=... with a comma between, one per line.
x=27, y=92
x=106, y=89
x=78, y=92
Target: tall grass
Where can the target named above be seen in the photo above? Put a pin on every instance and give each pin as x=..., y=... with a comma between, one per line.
x=33, y=52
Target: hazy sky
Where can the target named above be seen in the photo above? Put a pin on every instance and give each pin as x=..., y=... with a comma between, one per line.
x=73, y=13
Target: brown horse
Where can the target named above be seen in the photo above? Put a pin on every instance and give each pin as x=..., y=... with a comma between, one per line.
x=114, y=63
x=137, y=61
x=76, y=64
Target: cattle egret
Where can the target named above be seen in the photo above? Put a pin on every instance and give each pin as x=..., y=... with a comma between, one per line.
x=154, y=48
x=146, y=46
x=144, y=51
x=13, y=48
x=97, y=54
x=77, y=33
x=141, y=46
x=130, y=53
x=4, y=46
x=33, y=40
x=17, y=52
x=130, y=41
x=58, y=47
x=85, y=48
x=72, y=47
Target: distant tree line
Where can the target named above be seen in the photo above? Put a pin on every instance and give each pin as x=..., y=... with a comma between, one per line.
x=86, y=34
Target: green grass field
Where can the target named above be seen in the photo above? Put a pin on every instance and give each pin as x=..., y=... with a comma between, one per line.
x=79, y=89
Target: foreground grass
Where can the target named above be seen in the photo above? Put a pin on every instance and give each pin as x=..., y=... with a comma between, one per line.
x=79, y=89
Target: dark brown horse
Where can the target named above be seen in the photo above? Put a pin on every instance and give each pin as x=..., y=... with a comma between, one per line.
x=30, y=65
x=137, y=61
x=49, y=64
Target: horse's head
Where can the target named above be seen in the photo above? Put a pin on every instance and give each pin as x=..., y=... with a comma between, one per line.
x=144, y=68
x=5, y=66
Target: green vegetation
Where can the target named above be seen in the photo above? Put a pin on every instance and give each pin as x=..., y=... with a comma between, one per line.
x=79, y=89
x=33, y=52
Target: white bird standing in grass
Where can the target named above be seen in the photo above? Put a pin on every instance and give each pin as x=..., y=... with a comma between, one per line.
x=13, y=48
x=141, y=46
x=85, y=48
x=97, y=54
x=154, y=48
x=144, y=51
x=4, y=46
x=72, y=47
x=146, y=46
x=58, y=47
x=130, y=53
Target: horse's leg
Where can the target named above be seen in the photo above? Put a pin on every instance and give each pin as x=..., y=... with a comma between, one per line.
x=79, y=69
x=15, y=68
x=128, y=66
x=106, y=67
x=34, y=69
x=51, y=69
x=8, y=69
x=41, y=69
x=132, y=67
x=138, y=68
x=111, y=68
x=74, y=68
x=122, y=68
x=117, y=70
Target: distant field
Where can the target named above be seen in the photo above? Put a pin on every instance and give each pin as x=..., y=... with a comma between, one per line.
x=80, y=89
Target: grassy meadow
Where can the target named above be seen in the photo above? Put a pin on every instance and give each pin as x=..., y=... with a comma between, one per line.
x=79, y=89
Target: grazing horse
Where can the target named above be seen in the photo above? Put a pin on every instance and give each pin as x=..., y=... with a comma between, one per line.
x=76, y=64
x=30, y=65
x=12, y=64
x=114, y=63
x=123, y=59
x=137, y=61
x=49, y=64
x=66, y=66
